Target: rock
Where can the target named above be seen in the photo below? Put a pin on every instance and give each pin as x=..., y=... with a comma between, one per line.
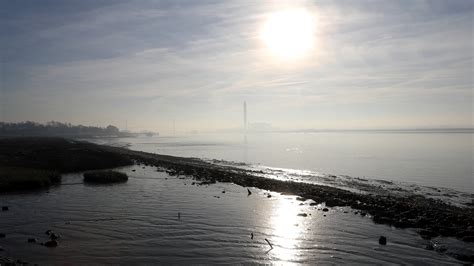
x=48, y=232
x=302, y=214
x=363, y=214
x=134, y=170
x=269, y=196
x=249, y=192
x=251, y=235
x=51, y=244
x=300, y=198
x=54, y=236
x=313, y=204
x=5, y=208
x=382, y=240
x=223, y=191
x=32, y=240
x=325, y=210
x=2, y=235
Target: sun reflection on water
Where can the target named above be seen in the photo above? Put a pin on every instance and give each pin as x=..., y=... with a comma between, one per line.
x=287, y=230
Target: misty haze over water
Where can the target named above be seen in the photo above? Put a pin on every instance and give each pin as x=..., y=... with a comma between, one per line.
x=439, y=159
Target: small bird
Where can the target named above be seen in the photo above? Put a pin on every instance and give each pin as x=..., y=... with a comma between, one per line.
x=249, y=192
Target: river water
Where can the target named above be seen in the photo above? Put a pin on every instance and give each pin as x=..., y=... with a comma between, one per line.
x=137, y=223
x=435, y=159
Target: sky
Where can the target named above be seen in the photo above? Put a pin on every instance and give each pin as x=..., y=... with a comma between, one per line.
x=144, y=64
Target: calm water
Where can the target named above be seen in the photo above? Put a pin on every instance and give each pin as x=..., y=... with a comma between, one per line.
x=428, y=159
x=137, y=223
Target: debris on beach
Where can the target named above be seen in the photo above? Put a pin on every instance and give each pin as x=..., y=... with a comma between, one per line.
x=251, y=235
x=271, y=246
x=383, y=240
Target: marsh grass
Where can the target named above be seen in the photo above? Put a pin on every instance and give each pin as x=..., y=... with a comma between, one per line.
x=16, y=178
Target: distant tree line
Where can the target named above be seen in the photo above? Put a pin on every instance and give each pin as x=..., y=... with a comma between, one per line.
x=54, y=128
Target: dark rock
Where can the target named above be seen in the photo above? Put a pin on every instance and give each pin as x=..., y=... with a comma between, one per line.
x=302, y=214
x=51, y=243
x=325, y=210
x=249, y=192
x=251, y=235
x=382, y=240
x=363, y=214
x=32, y=240
x=301, y=198
x=223, y=191
x=48, y=232
x=54, y=236
x=5, y=208
x=133, y=170
x=313, y=204
x=269, y=196
x=2, y=235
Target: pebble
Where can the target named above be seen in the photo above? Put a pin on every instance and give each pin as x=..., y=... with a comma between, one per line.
x=325, y=210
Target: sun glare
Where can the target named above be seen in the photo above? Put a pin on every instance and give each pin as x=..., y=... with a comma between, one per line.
x=289, y=34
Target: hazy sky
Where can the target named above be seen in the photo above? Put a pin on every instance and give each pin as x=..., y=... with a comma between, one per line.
x=372, y=64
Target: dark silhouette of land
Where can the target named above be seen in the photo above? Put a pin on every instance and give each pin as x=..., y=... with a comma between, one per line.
x=58, y=129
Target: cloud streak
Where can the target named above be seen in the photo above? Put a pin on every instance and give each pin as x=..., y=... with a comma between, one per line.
x=150, y=62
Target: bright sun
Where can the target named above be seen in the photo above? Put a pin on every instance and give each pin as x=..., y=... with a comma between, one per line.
x=289, y=34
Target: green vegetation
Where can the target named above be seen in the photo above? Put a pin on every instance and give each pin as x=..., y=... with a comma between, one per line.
x=105, y=177
x=26, y=179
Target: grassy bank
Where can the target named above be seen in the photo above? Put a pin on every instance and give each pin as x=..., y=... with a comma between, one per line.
x=13, y=179
x=33, y=163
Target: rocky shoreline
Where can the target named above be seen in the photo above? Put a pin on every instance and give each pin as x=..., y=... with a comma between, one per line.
x=432, y=217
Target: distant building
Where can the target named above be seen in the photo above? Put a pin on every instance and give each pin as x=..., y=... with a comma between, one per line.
x=245, y=116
